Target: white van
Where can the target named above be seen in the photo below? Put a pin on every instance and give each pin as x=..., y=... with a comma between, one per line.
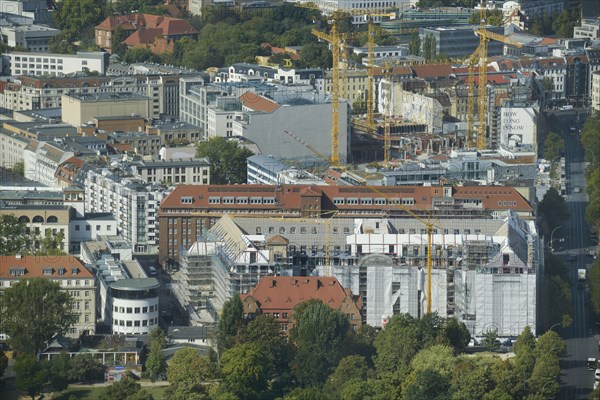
x=565, y=108
x=597, y=375
x=152, y=270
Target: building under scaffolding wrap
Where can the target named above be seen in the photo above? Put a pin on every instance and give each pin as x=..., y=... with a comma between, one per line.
x=484, y=269
x=486, y=277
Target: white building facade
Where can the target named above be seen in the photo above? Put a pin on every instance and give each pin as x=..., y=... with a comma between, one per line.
x=133, y=202
x=52, y=64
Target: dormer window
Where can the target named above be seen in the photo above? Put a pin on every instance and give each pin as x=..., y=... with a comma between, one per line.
x=17, y=271
x=187, y=200
x=47, y=271
x=61, y=271
x=74, y=271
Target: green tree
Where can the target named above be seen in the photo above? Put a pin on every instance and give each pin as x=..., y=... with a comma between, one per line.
x=438, y=358
x=33, y=312
x=490, y=339
x=245, y=371
x=265, y=332
x=427, y=384
x=117, y=38
x=525, y=342
x=227, y=160
x=50, y=244
x=397, y=344
x=457, y=334
x=74, y=16
x=553, y=211
x=359, y=106
x=125, y=389
x=187, y=372
x=62, y=43
x=553, y=145
x=550, y=343
x=59, y=371
x=350, y=368
x=563, y=24
x=595, y=287
x=155, y=363
x=308, y=393
x=471, y=381
x=14, y=238
x=18, y=168
x=543, y=377
x=3, y=363
x=318, y=333
x=315, y=55
x=85, y=368
x=231, y=322
x=414, y=44
x=30, y=374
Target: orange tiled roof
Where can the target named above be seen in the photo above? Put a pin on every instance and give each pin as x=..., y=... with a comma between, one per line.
x=286, y=292
x=142, y=36
x=257, y=102
x=290, y=196
x=432, y=71
x=34, y=267
x=168, y=26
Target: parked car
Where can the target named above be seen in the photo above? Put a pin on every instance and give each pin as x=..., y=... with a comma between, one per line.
x=597, y=375
x=152, y=270
x=591, y=364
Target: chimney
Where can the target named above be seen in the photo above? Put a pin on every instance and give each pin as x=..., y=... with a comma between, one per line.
x=273, y=283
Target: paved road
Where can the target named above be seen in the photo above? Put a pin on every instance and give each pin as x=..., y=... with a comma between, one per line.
x=582, y=338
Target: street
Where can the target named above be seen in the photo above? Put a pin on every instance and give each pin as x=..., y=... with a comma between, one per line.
x=582, y=336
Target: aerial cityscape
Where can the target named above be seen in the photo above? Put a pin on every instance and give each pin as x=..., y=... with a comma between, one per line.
x=300, y=200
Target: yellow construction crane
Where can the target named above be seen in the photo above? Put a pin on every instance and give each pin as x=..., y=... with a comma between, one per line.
x=480, y=55
x=425, y=221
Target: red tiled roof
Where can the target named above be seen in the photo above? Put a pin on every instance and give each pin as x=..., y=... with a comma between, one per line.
x=142, y=36
x=174, y=26
x=35, y=265
x=286, y=292
x=256, y=102
x=288, y=197
x=432, y=71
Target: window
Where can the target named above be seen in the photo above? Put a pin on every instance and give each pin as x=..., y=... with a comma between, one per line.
x=144, y=309
x=128, y=310
x=136, y=323
x=276, y=315
x=76, y=227
x=187, y=199
x=97, y=227
x=47, y=271
x=285, y=315
x=129, y=323
x=87, y=228
x=137, y=310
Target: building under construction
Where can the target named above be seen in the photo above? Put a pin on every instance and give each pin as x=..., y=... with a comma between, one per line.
x=484, y=270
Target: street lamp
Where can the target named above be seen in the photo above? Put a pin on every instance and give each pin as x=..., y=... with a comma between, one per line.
x=556, y=324
x=551, y=236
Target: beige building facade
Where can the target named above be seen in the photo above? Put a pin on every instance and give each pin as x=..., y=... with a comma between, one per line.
x=79, y=109
x=68, y=272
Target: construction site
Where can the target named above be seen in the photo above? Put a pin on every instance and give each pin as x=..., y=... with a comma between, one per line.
x=486, y=277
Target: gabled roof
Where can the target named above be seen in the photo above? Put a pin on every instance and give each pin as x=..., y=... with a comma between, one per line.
x=257, y=102
x=142, y=36
x=34, y=267
x=286, y=292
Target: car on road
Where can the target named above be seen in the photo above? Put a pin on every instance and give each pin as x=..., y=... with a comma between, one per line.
x=591, y=364
x=577, y=189
x=567, y=107
x=597, y=374
x=152, y=270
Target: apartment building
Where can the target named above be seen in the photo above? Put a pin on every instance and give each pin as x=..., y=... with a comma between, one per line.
x=68, y=272
x=596, y=91
x=31, y=93
x=53, y=64
x=192, y=170
x=132, y=201
x=370, y=6
x=12, y=147
x=190, y=210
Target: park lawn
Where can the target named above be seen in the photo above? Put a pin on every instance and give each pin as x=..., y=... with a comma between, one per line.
x=93, y=393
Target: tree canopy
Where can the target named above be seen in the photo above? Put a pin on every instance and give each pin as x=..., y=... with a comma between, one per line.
x=33, y=312
x=30, y=374
x=227, y=160
x=155, y=362
x=553, y=211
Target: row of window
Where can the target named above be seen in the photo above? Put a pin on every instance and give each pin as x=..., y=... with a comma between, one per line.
x=367, y=201
x=98, y=227
x=240, y=200
x=39, y=59
x=149, y=322
x=136, y=310
x=276, y=314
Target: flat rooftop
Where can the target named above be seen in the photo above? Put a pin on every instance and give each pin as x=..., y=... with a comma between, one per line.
x=106, y=97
